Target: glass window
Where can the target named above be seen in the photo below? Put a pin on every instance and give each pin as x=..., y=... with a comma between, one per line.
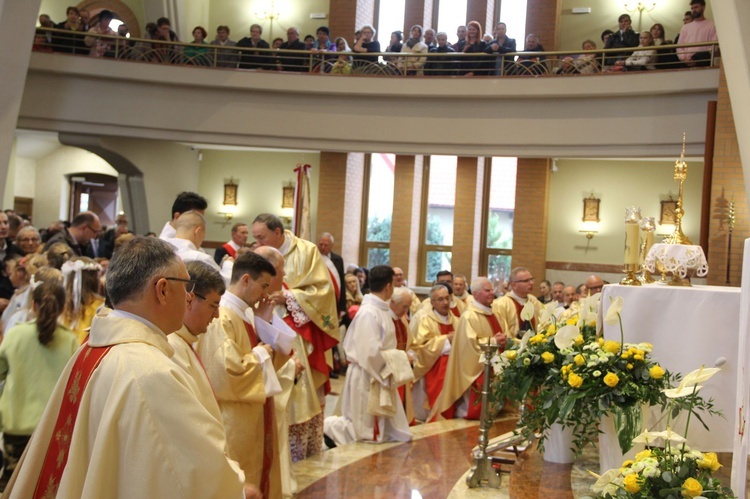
x=379, y=182
x=390, y=19
x=451, y=14
x=439, y=201
x=500, y=202
x=513, y=14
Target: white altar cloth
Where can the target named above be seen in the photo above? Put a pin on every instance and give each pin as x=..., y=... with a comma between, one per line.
x=688, y=327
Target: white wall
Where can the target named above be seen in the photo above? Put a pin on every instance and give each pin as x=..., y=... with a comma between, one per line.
x=618, y=184
x=25, y=179
x=260, y=177
x=51, y=191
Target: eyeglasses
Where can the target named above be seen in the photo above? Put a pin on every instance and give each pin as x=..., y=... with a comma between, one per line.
x=199, y=296
x=189, y=284
x=95, y=231
x=530, y=279
x=29, y=240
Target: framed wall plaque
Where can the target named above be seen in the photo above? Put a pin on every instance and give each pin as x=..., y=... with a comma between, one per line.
x=591, y=209
x=667, y=212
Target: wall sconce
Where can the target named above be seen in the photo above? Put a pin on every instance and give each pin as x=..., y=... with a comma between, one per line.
x=230, y=200
x=287, y=197
x=589, y=228
x=640, y=7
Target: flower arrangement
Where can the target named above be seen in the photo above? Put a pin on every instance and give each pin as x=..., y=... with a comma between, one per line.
x=565, y=373
x=672, y=470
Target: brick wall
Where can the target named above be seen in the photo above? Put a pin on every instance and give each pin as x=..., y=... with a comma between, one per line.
x=405, y=222
x=530, y=218
x=543, y=19
x=467, y=216
x=482, y=11
x=331, y=205
x=347, y=16
x=355, y=165
x=727, y=185
x=417, y=12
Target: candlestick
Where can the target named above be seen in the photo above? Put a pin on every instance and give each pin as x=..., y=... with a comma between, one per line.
x=632, y=217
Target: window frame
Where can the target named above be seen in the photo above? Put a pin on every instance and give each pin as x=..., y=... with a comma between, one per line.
x=425, y=248
x=364, y=244
x=485, y=251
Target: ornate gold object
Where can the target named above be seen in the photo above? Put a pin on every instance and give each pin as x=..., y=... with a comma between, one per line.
x=648, y=226
x=630, y=278
x=632, y=248
x=680, y=174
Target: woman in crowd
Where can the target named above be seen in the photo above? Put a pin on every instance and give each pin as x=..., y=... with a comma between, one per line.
x=198, y=56
x=475, y=65
x=343, y=64
x=32, y=356
x=82, y=294
x=582, y=63
x=365, y=44
x=395, y=45
x=28, y=240
x=545, y=288
x=353, y=294
x=665, y=58
x=641, y=59
x=414, y=45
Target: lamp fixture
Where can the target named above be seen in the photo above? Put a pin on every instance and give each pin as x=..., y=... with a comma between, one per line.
x=589, y=233
x=640, y=7
x=271, y=14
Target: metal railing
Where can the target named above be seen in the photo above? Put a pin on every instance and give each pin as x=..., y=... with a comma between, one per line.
x=374, y=64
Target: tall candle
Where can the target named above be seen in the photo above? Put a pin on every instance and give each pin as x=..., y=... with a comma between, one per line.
x=631, y=243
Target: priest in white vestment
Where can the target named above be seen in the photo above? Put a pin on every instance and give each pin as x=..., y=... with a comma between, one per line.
x=376, y=369
x=122, y=419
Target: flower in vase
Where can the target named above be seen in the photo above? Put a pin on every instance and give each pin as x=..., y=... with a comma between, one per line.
x=710, y=461
x=574, y=380
x=566, y=336
x=612, y=346
x=548, y=357
x=643, y=455
x=579, y=360
x=691, y=488
x=527, y=313
x=632, y=483
x=511, y=354
x=613, y=311
x=611, y=380
x=656, y=371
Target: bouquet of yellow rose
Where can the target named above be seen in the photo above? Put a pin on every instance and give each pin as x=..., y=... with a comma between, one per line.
x=566, y=374
x=672, y=470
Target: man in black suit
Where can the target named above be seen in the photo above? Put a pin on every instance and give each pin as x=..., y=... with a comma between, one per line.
x=331, y=259
x=83, y=228
x=622, y=38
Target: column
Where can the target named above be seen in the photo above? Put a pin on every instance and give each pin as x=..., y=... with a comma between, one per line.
x=407, y=199
x=543, y=19
x=467, y=217
x=530, y=217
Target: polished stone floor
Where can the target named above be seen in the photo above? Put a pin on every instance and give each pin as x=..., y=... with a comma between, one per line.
x=435, y=465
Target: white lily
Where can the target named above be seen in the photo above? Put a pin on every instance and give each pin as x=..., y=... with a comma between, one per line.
x=603, y=480
x=544, y=316
x=528, y=311
x=647, y=437
x=699, y=376
x=566, y=336
x=524, y=340
x=613, y=311
x=668, y=434
x=675, y=393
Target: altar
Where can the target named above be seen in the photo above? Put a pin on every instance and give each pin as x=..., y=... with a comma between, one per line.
x=688, y=327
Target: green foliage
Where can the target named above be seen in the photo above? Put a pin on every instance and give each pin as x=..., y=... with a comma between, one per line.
x=497, y=235
x=379, y=230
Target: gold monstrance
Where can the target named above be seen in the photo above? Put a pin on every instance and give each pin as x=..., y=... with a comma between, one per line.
x=680, y=173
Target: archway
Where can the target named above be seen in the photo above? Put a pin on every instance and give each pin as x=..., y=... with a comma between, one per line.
x=121, y=10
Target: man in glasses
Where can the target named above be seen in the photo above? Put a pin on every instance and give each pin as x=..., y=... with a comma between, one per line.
x=241, y=368
x=83, y=228
x=122, y=399
x=509, y=307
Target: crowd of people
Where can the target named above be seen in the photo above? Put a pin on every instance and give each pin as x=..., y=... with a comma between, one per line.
x=473, y=53
x=102, y=327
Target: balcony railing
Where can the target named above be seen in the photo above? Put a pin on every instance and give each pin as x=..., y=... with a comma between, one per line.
x=375, y=64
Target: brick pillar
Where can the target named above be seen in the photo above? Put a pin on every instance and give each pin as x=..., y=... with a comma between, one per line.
x=482, y=11
x=543, y=19
x=347, y=16
x=407, y=194
x=353, y=193
x=417, y=12
x=467, y=216
x=727, y=186
x=530, y=217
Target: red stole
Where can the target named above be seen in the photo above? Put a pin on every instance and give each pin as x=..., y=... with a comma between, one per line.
x=402, y=337
x=494, y=323
x=456, y=311
x=57, y=453
x=335, y=285
x=320, y=342
x=435, y=377
x=519, y=308
x=230, y=250
x=269, y=426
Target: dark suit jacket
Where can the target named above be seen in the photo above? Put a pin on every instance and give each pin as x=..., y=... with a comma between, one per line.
x=64, y=237
x=621, y=40
x=338, y=262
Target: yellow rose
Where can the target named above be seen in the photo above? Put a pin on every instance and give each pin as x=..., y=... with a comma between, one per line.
x=611, y=380
x=637, y=357
x=643, y=455
x=691, y=488
x=627, y=464
x=511, y=354
x=579, y=360
x=631, y=483
x=656, y=372
x=548, y=357
x=612, y=346
x=629, y=366
x=579, y=340
x=710, y=461
x=574, y=380
x=640, y=352
x=537, y=338
x=552, y=329
x=625, y=355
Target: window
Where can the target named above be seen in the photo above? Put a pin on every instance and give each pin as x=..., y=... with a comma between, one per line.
x=497, y=218
x=390, y=19
x=378, y=199
x=438, y=203
x=451, y=14
x=513, y=14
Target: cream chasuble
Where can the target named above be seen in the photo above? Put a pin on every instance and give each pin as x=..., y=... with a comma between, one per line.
x=135, y=434
x=429, y=344
x=505, y=308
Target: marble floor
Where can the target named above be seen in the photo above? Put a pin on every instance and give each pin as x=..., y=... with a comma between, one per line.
x=435, y=464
